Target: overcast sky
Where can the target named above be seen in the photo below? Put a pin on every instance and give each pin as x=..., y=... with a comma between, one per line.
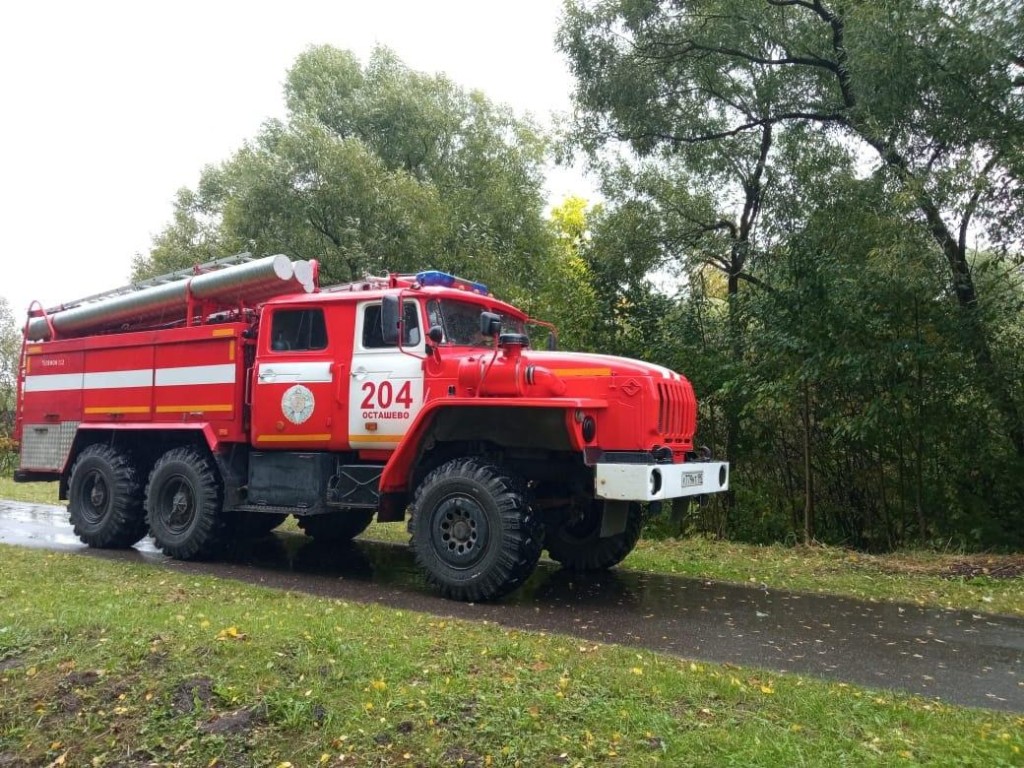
x=111, y=107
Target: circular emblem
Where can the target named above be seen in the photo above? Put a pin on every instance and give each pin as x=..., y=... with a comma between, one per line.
x=297, y=404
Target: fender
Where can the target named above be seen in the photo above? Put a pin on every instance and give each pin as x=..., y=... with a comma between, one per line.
x=209, y=433
x=395, y=477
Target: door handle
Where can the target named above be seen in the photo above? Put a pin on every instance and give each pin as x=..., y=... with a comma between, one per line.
x=337, y=371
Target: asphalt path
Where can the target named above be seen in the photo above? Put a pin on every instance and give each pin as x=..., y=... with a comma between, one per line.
x=959, y=657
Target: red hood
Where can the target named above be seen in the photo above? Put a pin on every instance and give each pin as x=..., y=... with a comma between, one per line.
x=577, y=364
x=638, y=406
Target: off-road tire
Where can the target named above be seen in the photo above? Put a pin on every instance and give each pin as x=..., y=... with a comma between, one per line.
x=336, y=526
x=105, y=499
x=183, y=505
x=578, y=546
x=473, y=532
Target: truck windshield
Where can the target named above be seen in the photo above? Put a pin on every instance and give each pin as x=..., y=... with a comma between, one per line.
x=460, y=321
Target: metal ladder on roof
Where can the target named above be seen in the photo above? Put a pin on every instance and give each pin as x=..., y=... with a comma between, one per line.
x=209, y=266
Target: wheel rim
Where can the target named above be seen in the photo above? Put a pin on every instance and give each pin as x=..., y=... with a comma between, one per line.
x=459, y=531
x=582, y=529
x=94, y=497
x=178, y=504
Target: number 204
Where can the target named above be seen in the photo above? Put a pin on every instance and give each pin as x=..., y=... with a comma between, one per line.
x=382, y=395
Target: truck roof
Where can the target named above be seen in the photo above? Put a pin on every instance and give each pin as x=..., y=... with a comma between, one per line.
x=357, y=292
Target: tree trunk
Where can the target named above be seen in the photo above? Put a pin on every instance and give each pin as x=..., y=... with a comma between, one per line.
x=808, y=474
x=732, y=419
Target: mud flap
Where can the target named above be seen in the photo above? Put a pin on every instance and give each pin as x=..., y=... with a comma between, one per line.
x=613, y=521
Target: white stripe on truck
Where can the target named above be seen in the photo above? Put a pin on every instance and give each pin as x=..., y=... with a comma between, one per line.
x=55, y=382
x=190, y=375
x=141, y=377
x=196, y=374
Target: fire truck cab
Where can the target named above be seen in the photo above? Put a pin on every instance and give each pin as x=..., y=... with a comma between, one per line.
x=408, y=397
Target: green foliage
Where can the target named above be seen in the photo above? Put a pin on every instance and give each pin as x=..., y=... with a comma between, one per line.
x=10, y=355
x=565, y=292
x=375, y=168
x=792, y=187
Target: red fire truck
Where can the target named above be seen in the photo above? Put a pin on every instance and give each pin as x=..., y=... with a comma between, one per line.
x=209, y=405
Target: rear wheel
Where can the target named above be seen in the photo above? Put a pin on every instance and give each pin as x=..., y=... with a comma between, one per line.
x=575, y=541
x=253, y=525
x=473, y=532
x=336, y=526
x=105, y=499
x=183, y=503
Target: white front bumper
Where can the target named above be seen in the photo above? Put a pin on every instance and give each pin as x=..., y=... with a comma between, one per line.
x=653, y=482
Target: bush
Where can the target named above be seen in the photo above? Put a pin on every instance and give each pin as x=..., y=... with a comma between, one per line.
x=8, y=456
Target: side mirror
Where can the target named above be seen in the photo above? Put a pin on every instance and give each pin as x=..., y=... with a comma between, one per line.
x=390, y=319
x=435, y=334
x=552, y=341
x=490, y=324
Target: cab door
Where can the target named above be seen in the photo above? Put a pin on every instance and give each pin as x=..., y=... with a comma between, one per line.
x=386, y=389
x=293, y=381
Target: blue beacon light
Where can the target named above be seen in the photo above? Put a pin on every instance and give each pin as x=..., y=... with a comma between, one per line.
x=443, y=279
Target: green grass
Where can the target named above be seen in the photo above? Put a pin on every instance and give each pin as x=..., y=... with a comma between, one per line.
x=36, y=493
x=107, y=663
x=913, y=576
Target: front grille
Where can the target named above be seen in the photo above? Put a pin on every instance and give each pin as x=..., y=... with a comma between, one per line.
x=677, y=409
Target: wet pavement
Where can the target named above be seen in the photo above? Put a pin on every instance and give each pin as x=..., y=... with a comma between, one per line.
x=959, y=657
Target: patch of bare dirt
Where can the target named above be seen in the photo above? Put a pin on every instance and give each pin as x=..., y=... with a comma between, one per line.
x=462, y=757
x=192, y=695
x=1003, y=568
x=67, y=703
x=947, y=567
x=85, y=679
x=239, y=721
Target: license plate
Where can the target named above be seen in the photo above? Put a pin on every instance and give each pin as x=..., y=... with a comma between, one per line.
x=691, y=479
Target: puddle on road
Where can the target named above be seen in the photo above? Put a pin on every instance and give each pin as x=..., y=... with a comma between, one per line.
x=48, y=527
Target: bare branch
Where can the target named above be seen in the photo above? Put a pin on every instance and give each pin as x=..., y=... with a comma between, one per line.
x=676, y=51
x=972, y=204
x=700, y=138
x=801, y=3
x=756, y=281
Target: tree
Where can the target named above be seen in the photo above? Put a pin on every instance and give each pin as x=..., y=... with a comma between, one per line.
x=10, y=354
x=933, y=93
x=375, y=168
x=566, y=295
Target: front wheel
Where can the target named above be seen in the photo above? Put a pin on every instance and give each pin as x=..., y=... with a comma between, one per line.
x=105, y=499
x=473, y=532
x=183, y=503
x=575, y=541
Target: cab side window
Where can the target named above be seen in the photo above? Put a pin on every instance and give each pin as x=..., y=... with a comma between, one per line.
x=298, y=330
x=373, y=336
